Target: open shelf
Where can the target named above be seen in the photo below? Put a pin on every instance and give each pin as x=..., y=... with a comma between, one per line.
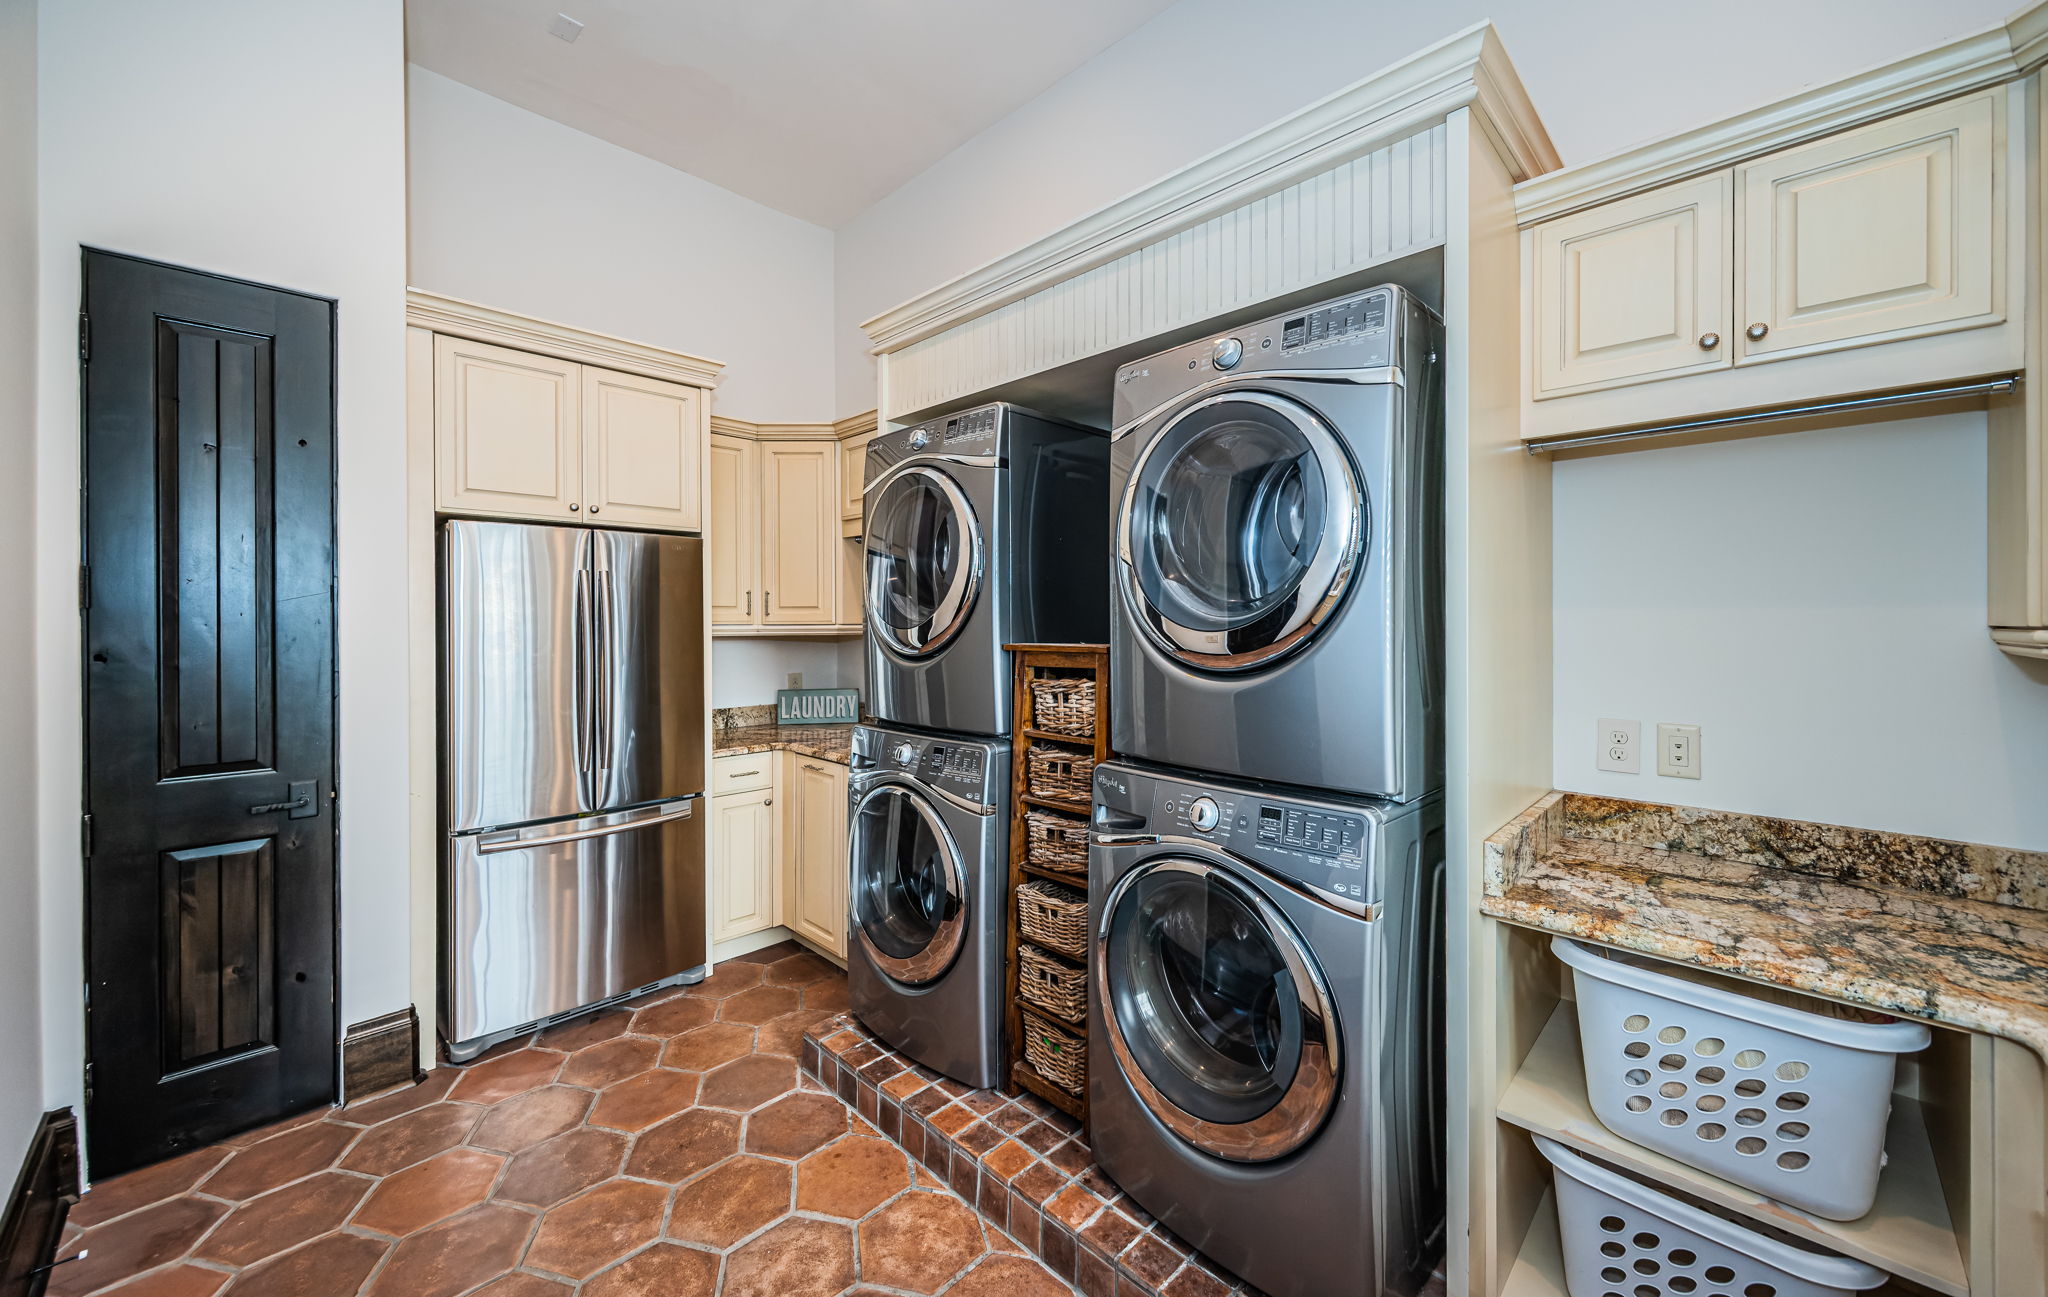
x=1908, y=1231
x=1073, y=1105
x=1062, y=804
x=1079, y=882
x=1047, y=736
x=1539, y=1267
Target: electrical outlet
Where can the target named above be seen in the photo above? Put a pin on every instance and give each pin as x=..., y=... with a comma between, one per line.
x=1678, y=751
x=1620, y=747
x=796, y=680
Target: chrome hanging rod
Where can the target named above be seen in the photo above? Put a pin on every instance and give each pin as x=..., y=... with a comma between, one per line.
x=1908, y=396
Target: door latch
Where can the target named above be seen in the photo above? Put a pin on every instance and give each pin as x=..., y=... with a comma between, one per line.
x=302, y=807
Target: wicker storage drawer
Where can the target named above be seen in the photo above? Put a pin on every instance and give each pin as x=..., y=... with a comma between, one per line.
x=1058, y=843
x=1052, y=771
x=1055, y=1053
x=1047, y=982
x=1064, y=705
x=1055, y=917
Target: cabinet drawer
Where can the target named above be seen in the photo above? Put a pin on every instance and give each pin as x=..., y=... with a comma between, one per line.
x=743, y=773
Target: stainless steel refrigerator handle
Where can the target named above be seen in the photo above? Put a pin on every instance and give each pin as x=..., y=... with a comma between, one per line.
x=605, y=619
x=489, y=846
x=582, y=667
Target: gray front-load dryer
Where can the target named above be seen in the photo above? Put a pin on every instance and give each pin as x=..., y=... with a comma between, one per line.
x=1278, y=491
x=929, y=841
x=982, y=528
x=1265, y=1026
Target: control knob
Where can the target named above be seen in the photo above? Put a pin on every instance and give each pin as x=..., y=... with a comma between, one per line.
x=904, y=754
x=920, y=439
x=1203, y=814
x=1227, y=353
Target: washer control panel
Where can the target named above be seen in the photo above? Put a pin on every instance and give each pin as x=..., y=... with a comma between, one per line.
x=969, y=768
x=974, y=434
x=1328, y=846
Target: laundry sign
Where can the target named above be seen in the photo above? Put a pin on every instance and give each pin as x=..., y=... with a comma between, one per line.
x=817, y=706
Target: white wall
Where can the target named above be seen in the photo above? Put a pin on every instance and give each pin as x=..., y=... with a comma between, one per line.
x=1815, y=603
x=261, y=140
x=21, y=1067
x=519, y=212
x=1603, y=73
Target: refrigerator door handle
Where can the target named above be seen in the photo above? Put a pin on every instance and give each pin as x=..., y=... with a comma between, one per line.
x=605, y=624
x=584, y=666
x=492, y=844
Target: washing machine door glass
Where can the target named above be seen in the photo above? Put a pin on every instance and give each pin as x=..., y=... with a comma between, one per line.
x=909, y=895
x=1215, y=1010
x=1239, y=530
x=923, y=560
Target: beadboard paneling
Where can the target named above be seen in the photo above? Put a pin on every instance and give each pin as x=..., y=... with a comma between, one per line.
x=1374, y=208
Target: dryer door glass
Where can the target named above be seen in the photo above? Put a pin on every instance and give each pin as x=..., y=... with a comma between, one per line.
x=1217, y=1013
x=1240, y=528
x=909, y=896
x=923, y=561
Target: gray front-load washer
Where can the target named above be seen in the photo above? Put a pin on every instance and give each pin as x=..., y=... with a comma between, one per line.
x=929, y=840
x=1278, y=608
x=1265, y=1026
x=982, y=528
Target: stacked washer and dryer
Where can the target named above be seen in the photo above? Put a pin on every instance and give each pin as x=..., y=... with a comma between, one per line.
x=971, y=525
x=1265, y=1020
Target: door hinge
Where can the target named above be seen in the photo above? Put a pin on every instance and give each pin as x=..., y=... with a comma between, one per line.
x=84, y=337
x=85, y=835
x=84, y=586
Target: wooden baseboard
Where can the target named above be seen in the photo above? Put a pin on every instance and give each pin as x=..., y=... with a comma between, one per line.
x=378, y=1054
x=33, y=1224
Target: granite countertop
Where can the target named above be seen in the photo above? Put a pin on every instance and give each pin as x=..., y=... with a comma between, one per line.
x=736, y=731
x=825, y=742
x=1947, y=931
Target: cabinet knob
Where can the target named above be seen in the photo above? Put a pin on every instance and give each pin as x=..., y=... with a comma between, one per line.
x=593, y=508
x=574, y=507
x=1757, y=331
x=767, y=801
x=1709, y=341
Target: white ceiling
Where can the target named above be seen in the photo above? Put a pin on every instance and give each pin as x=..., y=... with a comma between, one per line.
x=815, y=107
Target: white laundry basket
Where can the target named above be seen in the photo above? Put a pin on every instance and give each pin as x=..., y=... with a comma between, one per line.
x=1623, y=1239
x=1789, y=1103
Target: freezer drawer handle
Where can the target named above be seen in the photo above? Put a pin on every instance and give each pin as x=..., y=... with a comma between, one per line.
x=491, y=846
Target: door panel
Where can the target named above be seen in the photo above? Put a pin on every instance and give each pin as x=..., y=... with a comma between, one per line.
x=641, y=439
x=818, y=855
x=1634, y=289
x=734, y=532
x=648, y=615
x=800, y=580
x=517, y=674
x=505, y=431
x=745, y=880
x=1886, y=232
x=208, y=428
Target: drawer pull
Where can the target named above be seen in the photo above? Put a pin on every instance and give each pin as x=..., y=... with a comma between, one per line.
x=743, y=774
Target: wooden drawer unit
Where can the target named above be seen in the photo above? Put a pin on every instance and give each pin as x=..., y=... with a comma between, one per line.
x=744, y=773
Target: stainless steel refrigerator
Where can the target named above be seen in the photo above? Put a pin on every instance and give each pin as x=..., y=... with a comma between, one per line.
x=573, y=757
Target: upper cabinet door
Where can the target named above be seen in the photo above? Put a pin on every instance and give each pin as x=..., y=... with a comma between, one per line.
x=505, y=431
x=853, y=478
x=733, y=539
x=1634, y=289
x=799, y=571
x=1887, y=232
x=641, y=441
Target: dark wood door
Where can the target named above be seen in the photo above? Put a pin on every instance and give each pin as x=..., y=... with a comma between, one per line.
x=209, y=698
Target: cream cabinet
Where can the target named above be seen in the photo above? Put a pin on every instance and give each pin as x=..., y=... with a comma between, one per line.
x=817, y=858
x=507, y=436
x=853, y=472
x=799, y=547
x=734, y=548
x=746, y=871
x=1889, y=232
x=518, y=434
x=776, y=555
x=1634, y=290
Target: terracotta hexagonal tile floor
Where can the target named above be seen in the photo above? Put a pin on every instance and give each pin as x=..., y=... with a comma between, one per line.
x=668, y=1148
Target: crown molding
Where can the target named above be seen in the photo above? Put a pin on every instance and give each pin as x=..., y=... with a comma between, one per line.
x=856, y=425
x=1982, y=59
x=479, y=323
x=731, y=427
x=1469, y=69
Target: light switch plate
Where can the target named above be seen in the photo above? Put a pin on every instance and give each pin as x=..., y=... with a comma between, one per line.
x=1620, y=747
x=1678, y=751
